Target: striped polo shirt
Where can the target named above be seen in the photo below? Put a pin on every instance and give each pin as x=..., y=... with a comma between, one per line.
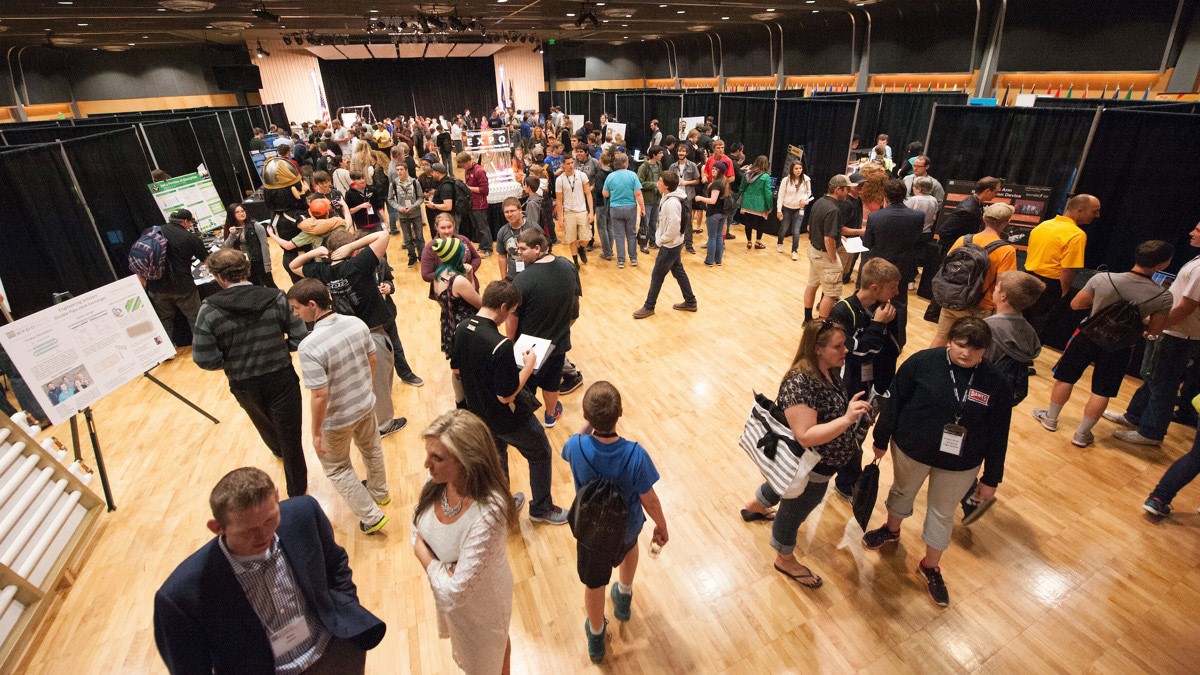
x=335, y=355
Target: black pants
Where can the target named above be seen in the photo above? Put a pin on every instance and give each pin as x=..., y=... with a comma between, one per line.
x=1038, y=314
x=668, y=260
x=272, y=402
x=753, y=222
x=402, y=367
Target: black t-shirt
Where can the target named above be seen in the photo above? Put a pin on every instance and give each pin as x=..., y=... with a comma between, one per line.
x=484, y=359
x=182, y=246
x=549, y=301
x=353, y=285
x=444, y=191
x=718, y=208
x=824, y=220
x=364, y=219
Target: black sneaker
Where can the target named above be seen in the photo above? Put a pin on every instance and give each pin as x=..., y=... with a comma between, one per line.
x=570, y=384
x=412, y=380
x=878, y=537
x=396, y=425
x=973, y=509
x=935, y=583
x=1157, y=506
x=372, y=529
x=848, y=495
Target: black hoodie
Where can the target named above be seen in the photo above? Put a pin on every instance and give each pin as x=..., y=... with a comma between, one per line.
x=242, y=329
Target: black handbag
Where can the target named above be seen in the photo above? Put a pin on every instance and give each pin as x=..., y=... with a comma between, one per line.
x=866, y=491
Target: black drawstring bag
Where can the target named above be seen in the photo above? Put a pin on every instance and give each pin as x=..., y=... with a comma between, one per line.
x=866, y=491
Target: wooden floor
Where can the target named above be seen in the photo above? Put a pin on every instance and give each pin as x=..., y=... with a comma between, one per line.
x=1065, y=574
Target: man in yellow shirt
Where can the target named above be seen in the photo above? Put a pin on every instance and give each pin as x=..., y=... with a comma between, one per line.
x=1000, y=259
x=1056, y=249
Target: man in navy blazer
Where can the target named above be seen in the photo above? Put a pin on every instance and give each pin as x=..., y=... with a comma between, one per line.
x=272, y=593
x=894, y=234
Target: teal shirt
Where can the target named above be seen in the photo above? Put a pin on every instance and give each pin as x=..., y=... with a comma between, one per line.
x=621, y=186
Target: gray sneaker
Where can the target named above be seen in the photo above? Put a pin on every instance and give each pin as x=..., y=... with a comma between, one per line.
x=1132, y=436
x=1119, y=418
x=518, y=500
x=1082, y=439
x=555, y=516
x=1042, y=415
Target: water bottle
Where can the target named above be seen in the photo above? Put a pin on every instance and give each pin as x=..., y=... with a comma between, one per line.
x=655, y=549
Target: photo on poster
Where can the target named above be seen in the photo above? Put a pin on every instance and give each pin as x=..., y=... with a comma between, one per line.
x=74, y=381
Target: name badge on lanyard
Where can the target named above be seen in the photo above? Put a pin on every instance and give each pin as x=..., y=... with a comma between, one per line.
x=953, y=436
x=290, y=636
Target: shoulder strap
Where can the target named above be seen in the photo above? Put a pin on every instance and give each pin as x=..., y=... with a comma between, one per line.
x=995, y=245
x=854, y=314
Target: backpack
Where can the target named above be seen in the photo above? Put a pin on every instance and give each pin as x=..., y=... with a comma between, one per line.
x=599, y=515
x=685, y=214
x=462, y=199
x=1117, y=325
x=958, y=283
x=148, y=256
x=1017, y=374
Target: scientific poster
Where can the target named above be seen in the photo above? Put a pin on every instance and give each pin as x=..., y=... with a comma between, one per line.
x=76, y=352
x=194, y=193
x=1029, y=204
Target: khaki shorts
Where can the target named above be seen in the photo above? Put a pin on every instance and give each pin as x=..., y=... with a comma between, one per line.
x=576, y=226
x=949, y=316
x=821, y=272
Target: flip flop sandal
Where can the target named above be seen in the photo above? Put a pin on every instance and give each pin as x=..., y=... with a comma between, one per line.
x=809, y=580
x=751, y=516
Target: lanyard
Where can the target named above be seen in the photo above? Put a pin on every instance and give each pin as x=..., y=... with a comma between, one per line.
x=962, y=401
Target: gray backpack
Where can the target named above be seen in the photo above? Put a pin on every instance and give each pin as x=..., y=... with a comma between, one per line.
x=958, y=283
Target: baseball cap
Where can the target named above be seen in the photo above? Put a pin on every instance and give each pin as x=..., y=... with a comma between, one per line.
x=181, y=215
x=319, y=208
x=447, y=248
x=438, y=167
x=856, y=178
x=998, y=211
x=839, y=181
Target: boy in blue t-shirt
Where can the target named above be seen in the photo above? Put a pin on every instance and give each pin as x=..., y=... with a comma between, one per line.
x=598, y=449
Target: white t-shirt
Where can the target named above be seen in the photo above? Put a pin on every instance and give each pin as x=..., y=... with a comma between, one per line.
x=573, y=189
x=1187, y=285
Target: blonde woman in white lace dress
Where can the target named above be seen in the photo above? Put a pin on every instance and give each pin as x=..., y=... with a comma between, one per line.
x=459, y=532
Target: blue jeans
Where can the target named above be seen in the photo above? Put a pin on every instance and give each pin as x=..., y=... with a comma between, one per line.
x=791, y=224
x=649, y=222
x=530, y=440
x=716, y=239
x=602, y=227
x=1183, y=471
x=791, y=512
x=1152, y=404
x=623, y=223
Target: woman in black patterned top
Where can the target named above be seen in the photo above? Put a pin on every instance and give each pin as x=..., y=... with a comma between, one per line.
x=822, y=417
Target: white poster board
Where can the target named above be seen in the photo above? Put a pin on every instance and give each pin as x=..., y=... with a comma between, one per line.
x=686, y=124
x=76, y=352
x=616, y=129
x=492, y=148
x=194, y=193
x=576, y=122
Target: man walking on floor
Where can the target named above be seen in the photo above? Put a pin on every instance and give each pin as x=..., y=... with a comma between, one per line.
x=670, y=240
x=176, y=289
x=249, y=331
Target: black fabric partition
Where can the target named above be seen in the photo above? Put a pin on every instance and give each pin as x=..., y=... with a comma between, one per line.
x=544, y=102
x=175, y=148
x=278, y=115
x=1141, y=192
x=703, y=104
x=47, y=243
x=233, y=147
x=37, y=135
x=747, y=120
x=595, y=106
x=631, y=111
x=207, y=131
x=665, y=108
x=822, y=127
x=258, y=118
x=577, y=103
x=1093, y=103
x=412, y=86
x=119, y=201
x=244, y=128
x=1024, y=146
x=904, y=117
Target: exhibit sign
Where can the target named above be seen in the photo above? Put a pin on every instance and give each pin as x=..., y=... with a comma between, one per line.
x=194, y=193
x=492, y=148
x=74, y=353
x=1030, y=204
x=616, y=133
x=686, y=124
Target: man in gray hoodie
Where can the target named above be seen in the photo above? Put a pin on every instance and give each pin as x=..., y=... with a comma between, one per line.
x=669, y=238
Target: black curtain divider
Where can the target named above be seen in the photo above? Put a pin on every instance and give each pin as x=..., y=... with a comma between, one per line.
x=595, y=106
x=244, y=128
x=544, y=102
x=412, y=86
x=258, y=118
x=119, y=200
x=1093, y=103
x=747, y=120
x=703, y=104
x=47, y=243
x=665, y=108
x=278, y=115
x=577, y=103
x=207, y=130
x=1187, y=107
x=233, y=147
x=822, y=127
x=173, y=146
x=1141, y=193
x=631, y=111
x=39, y=135
x=1024, y=146
x=904, y=117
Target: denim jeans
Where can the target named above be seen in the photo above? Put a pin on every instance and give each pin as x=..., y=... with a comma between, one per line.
x=716, y=239
x=1183, y=471
x=602, y=227
x=649, y=222
x=623, y=222
x=668, y=260
x=530, y=440
x=791, y=512
x=791, y=225
x=1153, y=403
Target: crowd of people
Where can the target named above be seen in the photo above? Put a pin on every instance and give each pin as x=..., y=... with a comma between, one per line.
x=944, y=414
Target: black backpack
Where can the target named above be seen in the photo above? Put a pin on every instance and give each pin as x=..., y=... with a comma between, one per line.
x=1017, y=374
x=685, y=213
x=599, y=515
x=958, y=283
x=1117, y=325
x=462, y=199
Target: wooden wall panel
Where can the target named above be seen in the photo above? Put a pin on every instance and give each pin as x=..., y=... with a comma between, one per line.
x=523, y=68
x=287, y=77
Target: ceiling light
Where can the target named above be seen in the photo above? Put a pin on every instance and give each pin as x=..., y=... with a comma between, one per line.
x=160, y=9
x=680, y=12
x=724, y=18
x=131, y=44
x=187, y=5
x=374, y=11
x=145, y=37
x=816, y=11
x=81, y=24
x=66, y=3
x=261, y=12
x=570, y=13
x=810, y=2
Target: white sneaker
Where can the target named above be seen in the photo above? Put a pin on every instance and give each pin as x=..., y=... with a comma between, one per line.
x=779, y=248
x=1042, y=415
x=1132, y=436
x=1119, y=418
x=795, y=256
x=1082, y=439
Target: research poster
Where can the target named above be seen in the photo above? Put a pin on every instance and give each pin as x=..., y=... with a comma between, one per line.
x=1029, y=202
x=194, y=193
x=74, y=353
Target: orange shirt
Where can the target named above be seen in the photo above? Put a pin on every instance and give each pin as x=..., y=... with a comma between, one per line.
x=1003, y=259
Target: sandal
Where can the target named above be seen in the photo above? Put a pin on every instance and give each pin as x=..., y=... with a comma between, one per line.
x=749, y=245
x=809, y=580
x=752, y=516
x=758, y=244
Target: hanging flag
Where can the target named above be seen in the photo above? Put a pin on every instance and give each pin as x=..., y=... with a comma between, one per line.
x=955, y=86
x=320, y=92
x=1086, y=87
x=1058, y=91
x=1004, y=101
x=1117, y=92
x=1129, y=93
x=502, y=92
x=512, y=95
x=1021, y=89
x=1071, y=90
x=1105, y=92
x=1146, y=96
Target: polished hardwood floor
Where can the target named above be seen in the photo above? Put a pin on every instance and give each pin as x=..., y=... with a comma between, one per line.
x=1066, y=574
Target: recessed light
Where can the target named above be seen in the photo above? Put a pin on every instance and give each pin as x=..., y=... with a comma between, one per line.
x=624, y=37
x=624, y=25
x=771, y=10
x=66, y=3
x=95, y=49
x=662, y=5
x=724, y=18
x=160, y=9
x=599, y=4
x=570, y=13
x=502, y=1
x=81, y=24
x=816, y=11
x=132, y=45
x=208, y=26
x=606, y=21
x=810, y=2
x=374, y=11
x=680, y=12
x=145, y=37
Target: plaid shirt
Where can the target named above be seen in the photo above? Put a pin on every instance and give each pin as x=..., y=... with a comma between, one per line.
x=270, y=586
